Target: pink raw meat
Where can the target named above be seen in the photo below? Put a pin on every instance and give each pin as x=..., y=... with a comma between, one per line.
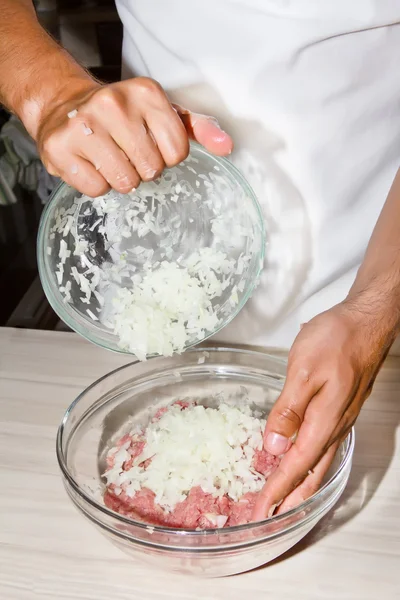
x=198, y=510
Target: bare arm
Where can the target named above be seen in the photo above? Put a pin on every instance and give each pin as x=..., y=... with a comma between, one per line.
x=377, y=285
x=332, y=366
x=34, y=70
x=119, y=134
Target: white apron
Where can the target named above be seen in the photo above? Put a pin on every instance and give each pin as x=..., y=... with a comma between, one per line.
x=310, y=92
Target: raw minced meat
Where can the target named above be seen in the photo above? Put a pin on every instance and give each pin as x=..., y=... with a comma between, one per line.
x=132, y=469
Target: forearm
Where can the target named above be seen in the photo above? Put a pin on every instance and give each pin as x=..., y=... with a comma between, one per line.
x=376, y=289
x=34, y=69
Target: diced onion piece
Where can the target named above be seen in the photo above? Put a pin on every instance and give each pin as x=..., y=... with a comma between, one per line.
x=208, y=447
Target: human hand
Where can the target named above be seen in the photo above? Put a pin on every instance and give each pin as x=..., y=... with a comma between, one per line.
x=332, y=366
x=99, y=137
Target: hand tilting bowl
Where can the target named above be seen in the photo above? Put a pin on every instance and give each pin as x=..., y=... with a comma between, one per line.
x=94, y=255
x=126, y=397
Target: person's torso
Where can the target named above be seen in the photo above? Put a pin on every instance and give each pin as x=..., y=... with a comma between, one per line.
x=310, y=92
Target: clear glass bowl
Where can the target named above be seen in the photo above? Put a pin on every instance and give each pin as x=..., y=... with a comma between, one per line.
x=203, y=203
x=107, y=409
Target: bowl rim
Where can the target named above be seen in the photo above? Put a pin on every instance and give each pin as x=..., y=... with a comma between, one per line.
x=325, y=489
x=73, y=319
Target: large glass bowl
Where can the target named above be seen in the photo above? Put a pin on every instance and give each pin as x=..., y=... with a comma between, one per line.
x=203, y=203
x=108, y=408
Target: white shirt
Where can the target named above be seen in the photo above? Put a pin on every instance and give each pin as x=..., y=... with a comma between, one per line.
x=310, y=92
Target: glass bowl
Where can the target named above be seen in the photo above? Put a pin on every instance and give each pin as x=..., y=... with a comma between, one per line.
x=89, y=249
x=107, y=410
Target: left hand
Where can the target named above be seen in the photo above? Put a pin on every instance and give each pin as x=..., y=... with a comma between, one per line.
x=332, y=366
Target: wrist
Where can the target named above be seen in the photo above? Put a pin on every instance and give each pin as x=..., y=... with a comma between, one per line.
x=52, y=82
x=35, y=109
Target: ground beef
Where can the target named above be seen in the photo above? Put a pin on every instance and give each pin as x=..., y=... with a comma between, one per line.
x=198, y=511
x=192, y=513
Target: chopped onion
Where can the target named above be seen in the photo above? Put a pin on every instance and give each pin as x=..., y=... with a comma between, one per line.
x=95, y=224
x=212, y=448
x=175, y=300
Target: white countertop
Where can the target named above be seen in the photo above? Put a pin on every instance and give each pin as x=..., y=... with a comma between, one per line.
x=48, y=551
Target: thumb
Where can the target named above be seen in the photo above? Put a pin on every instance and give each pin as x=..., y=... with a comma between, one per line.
x=287, y=413
x=206, y=131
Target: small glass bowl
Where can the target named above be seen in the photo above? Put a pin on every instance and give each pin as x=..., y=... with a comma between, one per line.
x=110, y=407
x=203, y=203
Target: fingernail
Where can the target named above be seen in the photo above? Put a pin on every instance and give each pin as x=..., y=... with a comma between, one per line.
x=74, y=169
x=276, y=443
x=215, y=122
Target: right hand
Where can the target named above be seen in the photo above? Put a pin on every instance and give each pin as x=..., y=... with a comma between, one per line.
x=137, y=132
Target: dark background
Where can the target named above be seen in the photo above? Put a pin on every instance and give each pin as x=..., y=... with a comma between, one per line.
x=92, y=32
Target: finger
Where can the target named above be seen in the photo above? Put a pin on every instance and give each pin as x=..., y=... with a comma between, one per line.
x=81, y=175
x=206, y=131
x=166, y=134
x=169, y=133
x=124, y=123
x=135, y=139
x=313, y=440
x=109, y=160
x=287, y=413
x=311, y=483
